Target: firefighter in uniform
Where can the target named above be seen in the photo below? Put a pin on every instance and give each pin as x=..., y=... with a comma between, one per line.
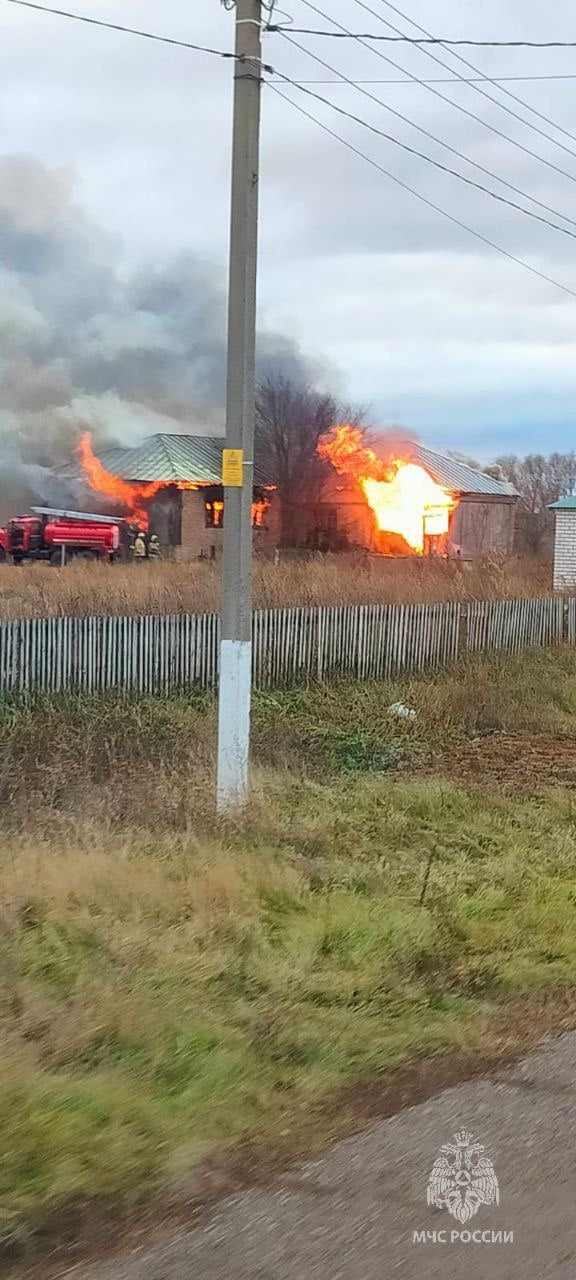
x=139, y=548
x=154, y=548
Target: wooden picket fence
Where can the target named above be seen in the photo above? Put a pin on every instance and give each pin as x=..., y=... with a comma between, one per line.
x=157, y=654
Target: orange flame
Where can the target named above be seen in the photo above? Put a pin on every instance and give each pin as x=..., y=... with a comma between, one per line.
x=404, y=498
x=129, y=495
x=259, y=513
x=132, y=495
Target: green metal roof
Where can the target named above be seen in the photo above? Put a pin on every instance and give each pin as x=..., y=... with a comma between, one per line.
x=457, y=476
x=565, y=504
x=168, y=458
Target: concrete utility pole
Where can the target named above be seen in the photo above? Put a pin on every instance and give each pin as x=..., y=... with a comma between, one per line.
x=238, y=469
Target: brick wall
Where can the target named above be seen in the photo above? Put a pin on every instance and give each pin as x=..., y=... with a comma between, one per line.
x=565, y=550
x=196, y=538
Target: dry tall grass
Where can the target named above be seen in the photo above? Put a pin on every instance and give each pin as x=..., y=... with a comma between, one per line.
x=85, y=589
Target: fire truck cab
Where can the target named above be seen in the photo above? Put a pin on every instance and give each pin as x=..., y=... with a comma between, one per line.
x=3, y=545
x=60, y=536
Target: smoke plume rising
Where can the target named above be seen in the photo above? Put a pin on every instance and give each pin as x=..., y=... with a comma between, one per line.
x=86, y=343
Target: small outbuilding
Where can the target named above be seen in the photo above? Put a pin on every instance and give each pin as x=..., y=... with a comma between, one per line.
x=564, y=543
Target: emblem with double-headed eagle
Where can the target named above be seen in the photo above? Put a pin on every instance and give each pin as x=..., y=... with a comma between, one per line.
x=462, y=1178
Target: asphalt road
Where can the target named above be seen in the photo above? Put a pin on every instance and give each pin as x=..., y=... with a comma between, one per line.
x=352, y=1215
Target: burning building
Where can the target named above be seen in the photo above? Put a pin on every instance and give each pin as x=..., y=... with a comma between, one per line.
x=402, y=500
x=411, y=500
x=172, y=485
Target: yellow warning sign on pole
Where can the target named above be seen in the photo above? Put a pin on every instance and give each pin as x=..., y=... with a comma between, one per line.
x=232, y=468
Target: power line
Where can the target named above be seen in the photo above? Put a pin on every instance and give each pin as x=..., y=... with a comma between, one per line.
x=495, y=80
x=406, y=120
x=488, y=79
x=132, y=31
x=445, y=40
x=149, y=35
x=419, y=196
x=437, y=164
x=458, y=106
x=451, y=80
x=444, y=97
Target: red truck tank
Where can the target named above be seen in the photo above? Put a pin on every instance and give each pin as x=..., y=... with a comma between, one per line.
x=59, y=536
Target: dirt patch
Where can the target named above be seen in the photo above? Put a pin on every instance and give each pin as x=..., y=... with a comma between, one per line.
x=93, y=1233
x=523, y=762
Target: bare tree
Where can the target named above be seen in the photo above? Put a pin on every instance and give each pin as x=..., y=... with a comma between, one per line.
x=290, y=420
x=539, y=480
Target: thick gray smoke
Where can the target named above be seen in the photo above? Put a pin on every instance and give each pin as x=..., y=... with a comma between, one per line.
x=85, y=343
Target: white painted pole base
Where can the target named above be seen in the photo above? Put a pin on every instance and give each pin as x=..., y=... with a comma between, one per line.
x=233, y=724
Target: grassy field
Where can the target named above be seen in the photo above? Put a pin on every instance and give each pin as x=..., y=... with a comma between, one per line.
x=171, y=986
x=36, y=590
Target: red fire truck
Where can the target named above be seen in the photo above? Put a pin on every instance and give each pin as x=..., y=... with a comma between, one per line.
x=60, y=536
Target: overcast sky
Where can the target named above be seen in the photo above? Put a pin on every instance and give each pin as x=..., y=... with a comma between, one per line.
x=416, y=317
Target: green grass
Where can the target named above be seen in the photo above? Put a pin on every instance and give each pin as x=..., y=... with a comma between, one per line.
x=168, y=986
